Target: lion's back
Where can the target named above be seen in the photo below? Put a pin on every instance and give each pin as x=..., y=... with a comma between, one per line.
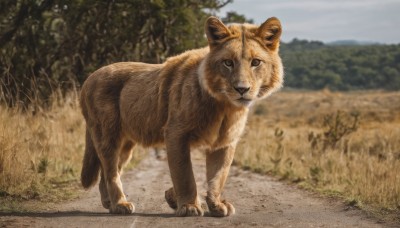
x=101, y=92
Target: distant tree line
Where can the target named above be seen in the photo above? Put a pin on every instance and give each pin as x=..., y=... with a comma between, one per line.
x=314, y=65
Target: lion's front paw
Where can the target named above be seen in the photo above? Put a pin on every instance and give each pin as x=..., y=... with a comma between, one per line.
x=221, y=209
x=190, y=210
x=123, y=208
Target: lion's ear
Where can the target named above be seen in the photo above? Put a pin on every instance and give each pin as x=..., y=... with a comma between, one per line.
x=216, y=31
x=270, y=32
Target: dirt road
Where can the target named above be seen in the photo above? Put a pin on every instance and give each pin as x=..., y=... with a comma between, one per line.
x=260, y=201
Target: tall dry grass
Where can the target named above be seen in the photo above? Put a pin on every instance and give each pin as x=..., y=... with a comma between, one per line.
x=287, y=137
x=41, y=149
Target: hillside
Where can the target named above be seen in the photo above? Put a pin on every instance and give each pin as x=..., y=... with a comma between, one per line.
x=315, y=65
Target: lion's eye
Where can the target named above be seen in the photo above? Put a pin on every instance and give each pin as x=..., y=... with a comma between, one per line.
x=255, y=62
x=228, y=63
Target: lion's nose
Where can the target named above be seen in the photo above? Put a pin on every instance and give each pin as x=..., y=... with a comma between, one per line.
x=242, y=90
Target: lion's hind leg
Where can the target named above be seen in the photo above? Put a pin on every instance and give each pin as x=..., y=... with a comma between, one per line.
x=112, y=179
x=124, y=156
x=170, y=197
x=109, y=149
x=105, y=199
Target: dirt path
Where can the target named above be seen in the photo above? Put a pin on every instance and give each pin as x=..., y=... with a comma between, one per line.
x=260, y=201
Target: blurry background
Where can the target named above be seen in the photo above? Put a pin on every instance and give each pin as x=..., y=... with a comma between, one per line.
x=334, y=129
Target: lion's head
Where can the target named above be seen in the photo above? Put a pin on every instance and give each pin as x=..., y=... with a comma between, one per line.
x=243, y=64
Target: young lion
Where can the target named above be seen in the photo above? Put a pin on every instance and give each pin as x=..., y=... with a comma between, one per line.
x=197, y=99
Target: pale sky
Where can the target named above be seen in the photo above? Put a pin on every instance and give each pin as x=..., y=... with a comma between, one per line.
x=327, y=20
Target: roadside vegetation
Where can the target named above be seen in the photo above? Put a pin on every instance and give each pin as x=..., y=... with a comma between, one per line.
x=41, y=151
x=341, y=144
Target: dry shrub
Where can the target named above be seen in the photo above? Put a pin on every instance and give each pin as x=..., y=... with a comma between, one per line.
x=303, y=138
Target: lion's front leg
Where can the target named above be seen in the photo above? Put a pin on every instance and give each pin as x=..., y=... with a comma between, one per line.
x=180, y=165
x=218, y=164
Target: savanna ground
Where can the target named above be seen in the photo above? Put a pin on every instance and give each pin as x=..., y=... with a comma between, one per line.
x=344, y=145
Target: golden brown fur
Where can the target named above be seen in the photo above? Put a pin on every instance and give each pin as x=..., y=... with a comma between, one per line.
x=199, y=99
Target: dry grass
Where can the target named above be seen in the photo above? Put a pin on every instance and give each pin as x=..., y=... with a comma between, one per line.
x=363, y=166
x=41, y=152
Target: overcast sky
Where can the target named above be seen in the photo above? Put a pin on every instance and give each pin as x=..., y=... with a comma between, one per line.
x=327, y=20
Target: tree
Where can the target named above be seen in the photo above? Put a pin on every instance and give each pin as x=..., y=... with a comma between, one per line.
x=52, y=44
x=233, y=17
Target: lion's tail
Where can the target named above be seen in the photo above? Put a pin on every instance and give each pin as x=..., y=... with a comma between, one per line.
x=91, y=164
